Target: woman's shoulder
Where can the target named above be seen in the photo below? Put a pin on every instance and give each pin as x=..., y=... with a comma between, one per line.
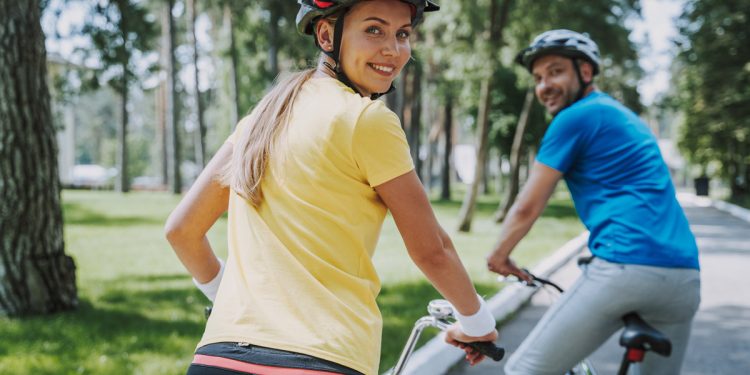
x=333, y=94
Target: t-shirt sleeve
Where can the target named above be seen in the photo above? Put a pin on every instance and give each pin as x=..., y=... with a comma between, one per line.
x=241, y=127
x=563, y=142
x=379, y=145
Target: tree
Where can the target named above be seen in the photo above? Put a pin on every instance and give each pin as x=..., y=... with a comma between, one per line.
x=515, y=157
x=119, y=30
x=200, y=133
x=36, y=276
x=713, y=81
x=445, y=182
x=275, y=9
x=234, y=83
x=498, y=18
x=171, y=108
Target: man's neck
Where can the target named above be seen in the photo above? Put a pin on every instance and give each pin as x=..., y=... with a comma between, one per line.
x=592, y=87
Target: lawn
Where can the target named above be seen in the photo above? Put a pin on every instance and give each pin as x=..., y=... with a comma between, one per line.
x=140, y=314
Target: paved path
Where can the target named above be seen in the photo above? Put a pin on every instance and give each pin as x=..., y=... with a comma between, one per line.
x=720, y=341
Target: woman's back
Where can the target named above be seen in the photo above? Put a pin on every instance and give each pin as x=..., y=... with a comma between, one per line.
x=307, y=179
x=302, y=264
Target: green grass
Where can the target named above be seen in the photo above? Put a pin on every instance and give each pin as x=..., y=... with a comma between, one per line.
x=140, y=314
x=743, y=201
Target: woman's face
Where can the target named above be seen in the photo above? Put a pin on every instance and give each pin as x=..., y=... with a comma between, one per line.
x=375, y=44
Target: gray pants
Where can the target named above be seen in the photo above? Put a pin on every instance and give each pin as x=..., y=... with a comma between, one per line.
x=591, y=311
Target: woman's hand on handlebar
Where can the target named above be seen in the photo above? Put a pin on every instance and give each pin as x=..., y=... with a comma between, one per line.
x=456, y=337
x=503, y=265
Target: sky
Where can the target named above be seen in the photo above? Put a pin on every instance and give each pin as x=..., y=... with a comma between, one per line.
x=656, y=27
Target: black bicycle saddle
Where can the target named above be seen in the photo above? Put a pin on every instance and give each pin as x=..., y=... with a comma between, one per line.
x=640, y=335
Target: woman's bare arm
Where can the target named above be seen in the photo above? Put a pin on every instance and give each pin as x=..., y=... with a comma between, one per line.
x=196, y=213
x=429, y=245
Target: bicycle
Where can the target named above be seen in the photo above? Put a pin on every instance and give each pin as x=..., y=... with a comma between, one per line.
x=637, y=337
x=440, y=316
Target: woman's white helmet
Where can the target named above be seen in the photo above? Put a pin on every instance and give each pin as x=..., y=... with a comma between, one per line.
x=561, y=42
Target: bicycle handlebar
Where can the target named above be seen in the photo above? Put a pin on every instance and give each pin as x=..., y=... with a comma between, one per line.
x=536, y=281
x=489, y=349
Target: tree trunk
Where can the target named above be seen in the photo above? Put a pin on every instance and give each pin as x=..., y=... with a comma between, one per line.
x=515, y=158
x=171, y=114
x=415, y=129
x=499, y=180
x=161, y=103
x=234, y=83
x=445, y=191
x=36, y=276
x=485, y=187
x=469, y=204
x=200, y=131
x=122, y=181
x=396, y=100
x=497, y=24
x=274, y=10
x=433, y=142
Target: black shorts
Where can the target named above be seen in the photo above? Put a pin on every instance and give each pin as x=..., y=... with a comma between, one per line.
x=231, y=358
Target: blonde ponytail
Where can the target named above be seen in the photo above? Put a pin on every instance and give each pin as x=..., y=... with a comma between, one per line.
x=254, y=146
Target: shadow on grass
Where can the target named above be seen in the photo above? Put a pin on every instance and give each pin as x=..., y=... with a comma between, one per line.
x=482, y=207
x=556, y=208
x=401, y=305
x=77, y=214
x=118, y=333
x=151, y=325
x=155, y=278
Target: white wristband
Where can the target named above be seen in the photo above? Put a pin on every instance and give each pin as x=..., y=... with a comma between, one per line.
x=210, y=288
x=479, y=324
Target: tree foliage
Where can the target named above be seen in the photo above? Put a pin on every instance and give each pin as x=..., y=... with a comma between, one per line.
x=121, y=31
x=714, y=88
x=453, y=51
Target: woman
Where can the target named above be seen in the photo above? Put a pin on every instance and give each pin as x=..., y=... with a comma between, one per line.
x=307, y=178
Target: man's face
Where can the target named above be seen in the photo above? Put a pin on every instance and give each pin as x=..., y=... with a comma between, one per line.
x=556, y=82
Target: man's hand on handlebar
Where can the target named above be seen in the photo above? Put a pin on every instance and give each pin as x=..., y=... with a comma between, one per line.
x=503, y=265
x=456, y=337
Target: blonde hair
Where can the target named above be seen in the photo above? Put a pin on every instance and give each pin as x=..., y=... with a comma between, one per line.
x=255, y=145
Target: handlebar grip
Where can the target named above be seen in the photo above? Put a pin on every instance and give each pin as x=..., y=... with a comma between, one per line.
x=488, y=348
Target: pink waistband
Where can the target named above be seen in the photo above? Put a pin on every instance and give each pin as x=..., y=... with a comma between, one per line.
x=252, y=368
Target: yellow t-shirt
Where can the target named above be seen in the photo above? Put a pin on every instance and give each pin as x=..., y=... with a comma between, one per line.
x=299, y=275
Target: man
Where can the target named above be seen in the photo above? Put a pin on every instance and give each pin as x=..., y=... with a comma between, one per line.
x=645, y=257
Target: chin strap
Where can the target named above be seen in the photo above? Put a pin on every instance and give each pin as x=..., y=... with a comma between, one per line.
x=338, y=32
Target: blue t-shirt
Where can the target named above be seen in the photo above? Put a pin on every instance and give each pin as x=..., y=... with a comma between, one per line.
x=620, y=185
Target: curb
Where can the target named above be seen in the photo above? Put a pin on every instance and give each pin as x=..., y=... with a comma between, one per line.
x=436, y=357
x=732, y=209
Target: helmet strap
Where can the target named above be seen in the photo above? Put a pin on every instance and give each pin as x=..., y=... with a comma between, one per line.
x=584, y=85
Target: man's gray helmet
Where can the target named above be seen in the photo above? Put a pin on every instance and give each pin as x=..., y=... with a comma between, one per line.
x=561, y=42
x=312, y=10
